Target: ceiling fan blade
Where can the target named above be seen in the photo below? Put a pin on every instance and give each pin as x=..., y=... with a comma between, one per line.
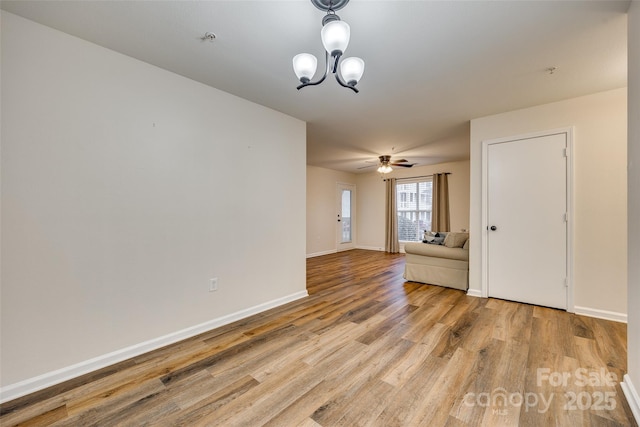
x=401, y=161
x=402, y=165
x=364, y=167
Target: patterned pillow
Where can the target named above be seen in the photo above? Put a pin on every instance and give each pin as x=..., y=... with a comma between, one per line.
x=434, y=237
x=439, y=240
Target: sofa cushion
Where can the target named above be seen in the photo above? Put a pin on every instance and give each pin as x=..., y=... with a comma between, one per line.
x=438, y=251
x=455, y=240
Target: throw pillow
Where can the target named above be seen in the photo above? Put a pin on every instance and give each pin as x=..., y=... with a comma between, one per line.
x=466, y=245
x=437, y=241
x=455, y=240
x=428, y=236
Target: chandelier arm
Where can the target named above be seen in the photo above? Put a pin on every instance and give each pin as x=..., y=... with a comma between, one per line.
x=335, y=59
x=326, y=71
x=343, y=84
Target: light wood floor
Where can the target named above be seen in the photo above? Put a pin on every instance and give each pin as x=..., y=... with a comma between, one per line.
x=366, y=348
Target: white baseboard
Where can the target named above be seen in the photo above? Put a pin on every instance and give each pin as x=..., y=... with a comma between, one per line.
x=631, y=394
x=333, y=251
x=601, y=314
x=474, y=293
x=48, y=379
x=370, y=248
x=315, y=254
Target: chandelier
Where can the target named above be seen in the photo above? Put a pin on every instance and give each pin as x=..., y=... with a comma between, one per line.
x=335, y=38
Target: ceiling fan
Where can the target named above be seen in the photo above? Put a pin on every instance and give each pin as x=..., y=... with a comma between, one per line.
x=385, y=163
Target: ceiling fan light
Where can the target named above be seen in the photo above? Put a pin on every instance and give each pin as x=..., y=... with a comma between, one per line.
x=384, y=168
x=335, y=37
x=304, y=65
x=352, y=69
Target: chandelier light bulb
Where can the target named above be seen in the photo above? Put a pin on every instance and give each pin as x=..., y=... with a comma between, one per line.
x=352, y=69
x=335, y=37
x=304, y=65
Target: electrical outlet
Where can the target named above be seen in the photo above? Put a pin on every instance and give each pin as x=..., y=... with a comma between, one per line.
x=213, y=284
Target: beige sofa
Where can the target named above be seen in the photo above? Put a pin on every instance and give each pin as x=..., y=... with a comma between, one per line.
x=437, y=265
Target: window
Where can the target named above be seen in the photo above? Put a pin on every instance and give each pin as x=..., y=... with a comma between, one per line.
x=413, y=208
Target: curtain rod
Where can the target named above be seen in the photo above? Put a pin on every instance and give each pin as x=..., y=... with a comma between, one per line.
x=422, y=176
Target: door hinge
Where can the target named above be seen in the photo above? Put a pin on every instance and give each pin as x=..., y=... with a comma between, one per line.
x=566, y=282
x=566, y=217
x=566, y=152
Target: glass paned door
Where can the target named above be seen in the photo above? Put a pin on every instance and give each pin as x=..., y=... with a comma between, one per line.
x=345, y=229
x=345, y=236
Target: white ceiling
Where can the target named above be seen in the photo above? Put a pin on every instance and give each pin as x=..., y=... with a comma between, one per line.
x=431, y=66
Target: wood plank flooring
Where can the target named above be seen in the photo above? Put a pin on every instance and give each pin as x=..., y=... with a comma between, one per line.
x=365, y=349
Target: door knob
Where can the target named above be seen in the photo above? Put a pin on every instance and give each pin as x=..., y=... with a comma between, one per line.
x=494, y=228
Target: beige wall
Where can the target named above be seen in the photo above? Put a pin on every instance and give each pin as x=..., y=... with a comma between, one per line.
x=600, y=245
x=633, y=191
x=125, y=188
x=371, y=199
x=322, y=208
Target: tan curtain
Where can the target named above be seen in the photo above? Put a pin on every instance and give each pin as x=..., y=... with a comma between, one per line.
x=440, y=208
x=391, y=243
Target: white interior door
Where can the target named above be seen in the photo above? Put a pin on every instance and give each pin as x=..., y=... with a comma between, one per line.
x=346, y=216
x=527, y=213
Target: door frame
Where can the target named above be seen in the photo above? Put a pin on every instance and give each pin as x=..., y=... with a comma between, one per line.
x=339, y=187
x=484, y=237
